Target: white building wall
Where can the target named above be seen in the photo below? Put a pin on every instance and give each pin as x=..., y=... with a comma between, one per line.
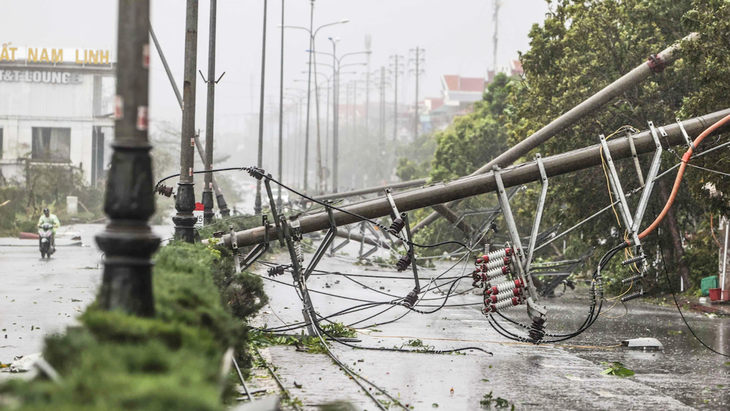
x=24, y=105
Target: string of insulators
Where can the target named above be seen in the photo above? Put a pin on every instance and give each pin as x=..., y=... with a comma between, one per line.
x=497, y=274
x=497, y=254
x=397, y=225
x=632, y=296
x=494, y=298
x=403, y=262
x=299, y=251
x=485, y=267
x=504, y=304
x=164, y=190
x=505, y=286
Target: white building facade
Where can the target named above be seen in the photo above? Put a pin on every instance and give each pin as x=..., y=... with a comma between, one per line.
x=55, y=111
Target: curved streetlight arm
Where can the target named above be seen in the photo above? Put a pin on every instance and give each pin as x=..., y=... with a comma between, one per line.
x=352, y=54
x=343, y=21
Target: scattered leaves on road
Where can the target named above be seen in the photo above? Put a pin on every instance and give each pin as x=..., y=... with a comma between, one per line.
x=616, y=369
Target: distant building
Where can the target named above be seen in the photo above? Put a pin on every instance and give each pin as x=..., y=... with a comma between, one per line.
x=458, y=95
x=56, y=107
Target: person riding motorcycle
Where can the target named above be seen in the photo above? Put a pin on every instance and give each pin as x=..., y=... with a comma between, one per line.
x=48, y=218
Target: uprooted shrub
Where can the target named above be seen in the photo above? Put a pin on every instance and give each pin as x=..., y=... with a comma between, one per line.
x=115, y=361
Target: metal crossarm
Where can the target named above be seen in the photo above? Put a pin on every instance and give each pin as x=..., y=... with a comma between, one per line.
x=538, y=213
x=322, y=249
x=274, y=212
x=253, y=255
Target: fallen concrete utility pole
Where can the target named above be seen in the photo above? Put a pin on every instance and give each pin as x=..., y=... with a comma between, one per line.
x=222, y=205
x=655, y=64
x=473, y=185
x=371, y=190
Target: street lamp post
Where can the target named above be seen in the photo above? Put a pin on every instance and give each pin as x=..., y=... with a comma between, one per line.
x=128, y=241
x=337, y=66
x=312, y=38
x=281, y=111
x=257, y=201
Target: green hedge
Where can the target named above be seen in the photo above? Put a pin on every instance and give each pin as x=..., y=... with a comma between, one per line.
x=170, y=362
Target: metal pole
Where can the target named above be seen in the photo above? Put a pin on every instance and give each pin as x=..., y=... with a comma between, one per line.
x=257, y=201
x=475, y=185
x=724, y=260
x=327, y=135
x=185, y=200
x=127, y=240
x=281, y=110
x=320, y=170
x=207, y=200
x=415, y=125
x=336, y=120
x=395, y=100
x=309, y=98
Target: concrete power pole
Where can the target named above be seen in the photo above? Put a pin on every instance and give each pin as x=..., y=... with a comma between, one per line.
x=259, y=163
x=128, y=240
x=368, y=44
x=418, y=60
x=382, y=106
x=185, y=200
x=207, y=200
x=495, y=22
x=396, y=61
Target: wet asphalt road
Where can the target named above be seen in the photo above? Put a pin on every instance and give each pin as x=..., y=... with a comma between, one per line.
x=682, y=376
x=38, y=298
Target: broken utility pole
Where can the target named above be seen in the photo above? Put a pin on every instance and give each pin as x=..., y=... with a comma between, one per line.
x=185, y=200
x=473, y=185
x=128, y=241
x=655, y=64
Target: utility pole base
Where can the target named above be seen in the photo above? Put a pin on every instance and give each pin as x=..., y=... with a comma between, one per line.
x=184, y=220
x=208, y=212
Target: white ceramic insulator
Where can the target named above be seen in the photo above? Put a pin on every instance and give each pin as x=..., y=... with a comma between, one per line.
x=499, y=254
x=505, y=286
x=502, y=305
x=496, y=280
x=496, y=273
x=507, y=295
x=499, y=262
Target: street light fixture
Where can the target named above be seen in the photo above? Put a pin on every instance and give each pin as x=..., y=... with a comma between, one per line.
x=312, y=37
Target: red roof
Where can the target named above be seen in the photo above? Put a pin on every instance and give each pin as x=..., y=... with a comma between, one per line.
x=458, y=83
x=452, y=82
x=435, y=102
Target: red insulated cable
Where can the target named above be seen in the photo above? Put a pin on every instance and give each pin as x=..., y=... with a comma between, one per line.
x=678, y=180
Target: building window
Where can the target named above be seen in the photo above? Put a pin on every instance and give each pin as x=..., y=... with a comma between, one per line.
x=51, y=144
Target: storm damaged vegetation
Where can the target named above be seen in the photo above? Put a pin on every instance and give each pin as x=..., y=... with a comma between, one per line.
x=173, y=360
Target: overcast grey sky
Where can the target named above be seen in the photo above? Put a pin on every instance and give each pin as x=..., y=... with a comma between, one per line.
x=456, y=34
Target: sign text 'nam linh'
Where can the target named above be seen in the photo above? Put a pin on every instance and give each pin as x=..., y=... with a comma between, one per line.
x=10, y=53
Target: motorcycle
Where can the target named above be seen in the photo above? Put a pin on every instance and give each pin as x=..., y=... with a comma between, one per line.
x=44, y=240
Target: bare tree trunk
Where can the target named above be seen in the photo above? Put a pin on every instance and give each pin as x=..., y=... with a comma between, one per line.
x=676, y=238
